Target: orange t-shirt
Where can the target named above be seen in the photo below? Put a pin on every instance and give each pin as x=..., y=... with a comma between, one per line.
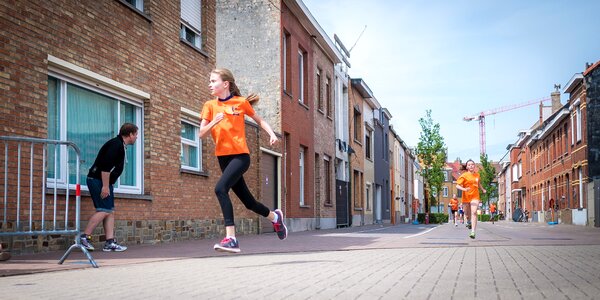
x=493, y=208
x=471, y=181
x=229, y=134
x=454, y=204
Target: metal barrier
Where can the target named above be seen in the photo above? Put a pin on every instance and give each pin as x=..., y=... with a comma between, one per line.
x=39, y=216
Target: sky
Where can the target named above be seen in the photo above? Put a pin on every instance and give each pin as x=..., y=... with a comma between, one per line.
x=459, y=58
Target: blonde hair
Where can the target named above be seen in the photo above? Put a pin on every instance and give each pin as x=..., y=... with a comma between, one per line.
x=227, y=75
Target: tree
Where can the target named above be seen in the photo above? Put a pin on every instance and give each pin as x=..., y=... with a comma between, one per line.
x=431, y=152
x=487, y=175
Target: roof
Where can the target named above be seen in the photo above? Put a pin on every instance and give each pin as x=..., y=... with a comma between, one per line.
x=591, y=68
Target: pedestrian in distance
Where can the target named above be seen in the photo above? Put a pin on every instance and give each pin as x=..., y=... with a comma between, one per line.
x=3, y=254
x=492, y=211
x=461, y=213
x=103, y=174
x=468, y=182
x=454, y=209
x=223, y=118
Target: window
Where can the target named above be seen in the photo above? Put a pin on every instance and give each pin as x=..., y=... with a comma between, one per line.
x=445, y=191
x=520, y=169
x=357, y=125
x=286, y=62
x=191, y=22
x=566, y=139
x=578, y=123
x=368, y=198
x=515, y=173
x=191, y=148
x=357, y=189
x=89, y=117
x=368, y=144
x=445, y=176
x=328, y=96
x=138, y=4
x=301, y=77
x=327, y=170
x=301, y=175
x=319, y=91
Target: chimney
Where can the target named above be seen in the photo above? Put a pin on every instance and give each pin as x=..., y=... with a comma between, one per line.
x=556, y=98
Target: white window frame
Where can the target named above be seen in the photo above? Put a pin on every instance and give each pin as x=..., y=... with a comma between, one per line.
x=445, y=175
x=301, y=76
x=64, y=79
x=515, y=173
x=193, y=143
x=191, y=19
x=520, y=169
x=445, y=191
x=301, y=175
x=578, y=110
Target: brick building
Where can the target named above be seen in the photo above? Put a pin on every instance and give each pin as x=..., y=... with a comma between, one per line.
x=67, y=65
x=592, y=85
x=359, y=92
x=287, y=58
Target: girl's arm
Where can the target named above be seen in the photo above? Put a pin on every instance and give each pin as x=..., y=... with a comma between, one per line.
x=264, y=125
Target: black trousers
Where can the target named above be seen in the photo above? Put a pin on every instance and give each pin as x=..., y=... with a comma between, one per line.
x=233, y=168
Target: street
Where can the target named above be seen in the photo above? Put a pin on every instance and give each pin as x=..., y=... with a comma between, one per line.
x=506, y=261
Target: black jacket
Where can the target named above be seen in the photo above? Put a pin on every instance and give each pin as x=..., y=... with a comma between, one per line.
x=111, y=158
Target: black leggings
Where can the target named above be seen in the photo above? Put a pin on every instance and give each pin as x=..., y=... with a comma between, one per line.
x=234, y=167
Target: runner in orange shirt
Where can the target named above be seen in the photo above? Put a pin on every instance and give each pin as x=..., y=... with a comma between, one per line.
x=492, y=211
x=224, y=117
x=468, y=182
x=454, y=208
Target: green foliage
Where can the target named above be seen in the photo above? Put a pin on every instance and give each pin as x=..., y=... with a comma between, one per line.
x=487, y=175
x=434, y=218
x=431, y=152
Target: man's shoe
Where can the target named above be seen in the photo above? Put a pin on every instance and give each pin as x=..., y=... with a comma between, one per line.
x=455, y=225
x=279, y=226
x=85, y=242
x=472, y=235
x=228, y=245
x=469, y=225
x=113, y=247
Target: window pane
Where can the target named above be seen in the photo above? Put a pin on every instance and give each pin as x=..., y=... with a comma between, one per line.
x=188, y=131
x=53, y=125
x=91, y=121
x=128, y=115
x=189, y=155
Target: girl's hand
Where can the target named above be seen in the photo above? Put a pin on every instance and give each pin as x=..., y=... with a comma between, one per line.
x=218, y=118
x=273, y=140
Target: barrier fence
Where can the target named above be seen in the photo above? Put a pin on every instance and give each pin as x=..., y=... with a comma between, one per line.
x=37, y=177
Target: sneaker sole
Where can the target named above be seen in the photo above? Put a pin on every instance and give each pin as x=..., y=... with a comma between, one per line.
x=284, y=227
x=218, y=248
x=113, y=250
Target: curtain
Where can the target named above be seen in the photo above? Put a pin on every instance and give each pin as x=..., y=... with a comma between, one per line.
x=91, y=122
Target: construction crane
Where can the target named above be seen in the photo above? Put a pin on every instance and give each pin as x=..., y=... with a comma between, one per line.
x=481, y=117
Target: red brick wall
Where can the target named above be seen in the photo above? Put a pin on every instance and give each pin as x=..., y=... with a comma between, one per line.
x=297, y=121
x=324, y=131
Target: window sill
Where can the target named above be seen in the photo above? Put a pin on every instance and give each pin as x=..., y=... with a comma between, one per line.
x=358, y=142
x=192, y=172
x=328, y=204
x=321, y=111
x=358, y=209
x=303, y=105
x=194, y=47
x=304, y=206
x=285, y=92
x=50, y=191
x=137, y=11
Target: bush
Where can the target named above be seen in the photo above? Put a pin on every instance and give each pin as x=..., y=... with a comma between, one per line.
x=434, y=218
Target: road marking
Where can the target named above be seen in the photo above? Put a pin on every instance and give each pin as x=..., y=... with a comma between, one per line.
x=421, y=233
